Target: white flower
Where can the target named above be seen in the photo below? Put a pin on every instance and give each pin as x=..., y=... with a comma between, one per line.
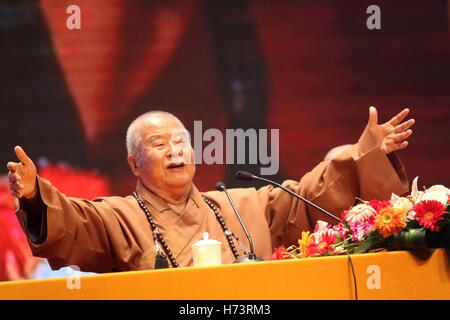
x=441, y=197
x=402, y=203
x=321, y=226
x=437, y=192
x=415, y=193
x=439, y=188
x=338, y=250
x=360, y=213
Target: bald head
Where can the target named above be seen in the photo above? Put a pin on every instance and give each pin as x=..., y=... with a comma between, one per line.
x=135, y=132
x=160, y=155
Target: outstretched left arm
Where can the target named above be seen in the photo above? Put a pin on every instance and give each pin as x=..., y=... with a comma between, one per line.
x=369, y=169
x=391, y=135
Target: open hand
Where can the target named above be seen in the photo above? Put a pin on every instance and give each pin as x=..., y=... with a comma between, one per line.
x=22, y=175
x=391, y=135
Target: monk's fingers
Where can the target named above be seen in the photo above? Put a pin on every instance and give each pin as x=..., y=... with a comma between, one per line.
x=399, y=137
x=404, y=126
x=373, y=117
x=14, y=186
x=400, y=146
x=22, y=156
x=16, y=194
x=12, y=166
x=13, y=176
x=395, y=120
x=390, y=145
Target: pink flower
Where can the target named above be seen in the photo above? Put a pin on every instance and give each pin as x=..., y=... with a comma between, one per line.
x=341, y=231
x=360, y=230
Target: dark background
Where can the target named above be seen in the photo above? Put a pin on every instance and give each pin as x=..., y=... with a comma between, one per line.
x=309, y=68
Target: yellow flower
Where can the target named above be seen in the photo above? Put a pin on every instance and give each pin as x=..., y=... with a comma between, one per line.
x=390, y=221
x=304, y=243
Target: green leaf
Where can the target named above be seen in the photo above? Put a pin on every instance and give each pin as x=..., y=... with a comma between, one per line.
x=413, y=239
x=345, y=223
x=442, y=223
x=364, y=247
x=372, y=240
x=414, y=224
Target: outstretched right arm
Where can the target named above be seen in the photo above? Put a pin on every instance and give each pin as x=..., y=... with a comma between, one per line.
x=22, y=176
x=65, y=230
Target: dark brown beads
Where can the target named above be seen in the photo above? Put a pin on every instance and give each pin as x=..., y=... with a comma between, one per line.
x=158, y=237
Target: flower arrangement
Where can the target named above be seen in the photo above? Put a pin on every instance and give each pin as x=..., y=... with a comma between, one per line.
x=420, y=221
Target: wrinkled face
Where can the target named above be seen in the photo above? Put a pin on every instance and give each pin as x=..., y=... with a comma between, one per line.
x=166, y=156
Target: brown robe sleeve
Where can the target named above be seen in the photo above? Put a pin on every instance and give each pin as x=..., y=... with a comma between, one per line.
x=77, y=235
x=362, y=171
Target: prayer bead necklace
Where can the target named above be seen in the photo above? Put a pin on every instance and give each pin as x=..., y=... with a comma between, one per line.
x=158, y=237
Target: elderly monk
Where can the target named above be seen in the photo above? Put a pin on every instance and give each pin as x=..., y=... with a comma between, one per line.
x=167, y=213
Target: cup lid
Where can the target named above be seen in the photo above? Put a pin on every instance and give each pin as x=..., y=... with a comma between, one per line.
x=206, y=241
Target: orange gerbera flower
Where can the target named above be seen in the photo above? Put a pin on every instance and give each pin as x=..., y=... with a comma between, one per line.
x=390, y=221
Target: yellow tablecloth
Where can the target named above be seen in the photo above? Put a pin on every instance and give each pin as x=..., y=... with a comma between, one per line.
x=386, y=275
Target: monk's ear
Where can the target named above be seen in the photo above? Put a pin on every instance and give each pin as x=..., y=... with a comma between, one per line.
x=132, y=162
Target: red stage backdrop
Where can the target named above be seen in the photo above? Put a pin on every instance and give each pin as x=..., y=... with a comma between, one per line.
x=308, y=68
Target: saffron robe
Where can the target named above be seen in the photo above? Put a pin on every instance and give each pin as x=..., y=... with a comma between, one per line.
x=112, y=233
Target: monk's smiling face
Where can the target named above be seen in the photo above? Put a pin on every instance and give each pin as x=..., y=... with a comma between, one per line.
x=165, y=158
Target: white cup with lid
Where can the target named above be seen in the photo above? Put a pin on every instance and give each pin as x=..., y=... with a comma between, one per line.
x=207, y=252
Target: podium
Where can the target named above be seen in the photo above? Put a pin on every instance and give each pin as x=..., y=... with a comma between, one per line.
x=385, y=275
